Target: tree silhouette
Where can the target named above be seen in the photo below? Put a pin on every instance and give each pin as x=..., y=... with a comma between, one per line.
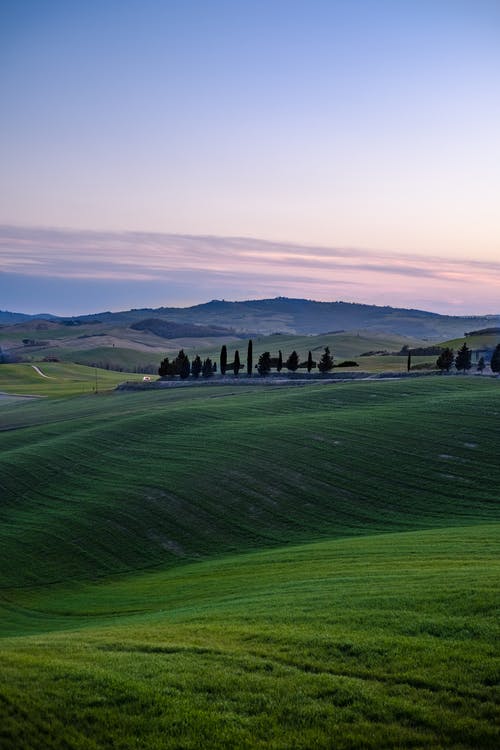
x=264, y=364
x=164, y=368
x=279, y=366
x=223, y=359
x=463, y=358
x=495, y=359
x=310, y=363
x=196, y=366
x=207, y=369
x=326, y=362
x=292, y=362
x=182, y=365
x=445, y=359
x=250, y=358
x=237, y=363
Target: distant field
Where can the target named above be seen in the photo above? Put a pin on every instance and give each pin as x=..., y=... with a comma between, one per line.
x=126, y=350
x=63, y=379
x=482, y=341
x=129, y=349
x=300, y=566
x=115, y=358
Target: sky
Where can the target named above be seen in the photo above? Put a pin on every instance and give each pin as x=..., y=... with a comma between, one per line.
x=168, y=152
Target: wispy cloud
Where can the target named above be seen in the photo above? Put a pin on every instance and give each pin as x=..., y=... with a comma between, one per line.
x=218, y=266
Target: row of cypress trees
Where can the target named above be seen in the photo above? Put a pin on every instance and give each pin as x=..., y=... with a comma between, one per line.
x=293, y=363
x=266, y=363
x=182, y=366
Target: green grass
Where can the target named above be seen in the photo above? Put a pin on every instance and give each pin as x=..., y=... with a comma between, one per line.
x=379, y=642
x=63, y=379
x=296, y=567
x=117, y=356
x=94, y=486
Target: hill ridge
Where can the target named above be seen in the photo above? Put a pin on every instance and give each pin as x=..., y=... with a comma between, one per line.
x=287, y=315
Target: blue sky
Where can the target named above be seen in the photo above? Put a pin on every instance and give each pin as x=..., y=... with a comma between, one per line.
x=366, y=125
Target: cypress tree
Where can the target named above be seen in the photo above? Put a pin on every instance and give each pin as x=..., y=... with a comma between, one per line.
x=495, y=359
x=481, y=364
x=279, y=366
x=237, y=363
x=223, y=360
x=182, y=365
x=207, y=368
x=196, y=366
x=164, y=368
x=408, y=361
x=249, y=358
x=463, y=358
x=326, y=362
x=310, y=363
x=292, y=362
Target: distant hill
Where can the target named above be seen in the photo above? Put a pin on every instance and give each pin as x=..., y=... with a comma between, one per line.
x=10, y=318
x=301, y=316
x=167, y=329
x=295, y=316
x=484, y=332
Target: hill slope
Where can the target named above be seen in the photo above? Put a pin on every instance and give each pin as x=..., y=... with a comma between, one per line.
x=163, y=585
x=101, y=485
x=375, y=642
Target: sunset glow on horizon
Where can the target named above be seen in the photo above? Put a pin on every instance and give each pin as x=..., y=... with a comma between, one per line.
x=168, y=153
x=83, y=272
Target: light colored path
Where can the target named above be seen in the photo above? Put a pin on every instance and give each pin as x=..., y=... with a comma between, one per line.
x=37, y=369
x=7, y=398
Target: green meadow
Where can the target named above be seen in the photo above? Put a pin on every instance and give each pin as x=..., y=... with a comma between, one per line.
x=125, y=349
x=61, y=379
x=252, y=567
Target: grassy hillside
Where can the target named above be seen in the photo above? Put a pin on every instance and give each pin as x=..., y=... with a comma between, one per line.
x=94, y=486
x=129, y=349
x=61, y=379
x=376, y=642
x=478, y=341
x=307, y=567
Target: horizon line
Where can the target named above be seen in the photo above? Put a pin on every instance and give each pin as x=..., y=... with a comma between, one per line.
x=244, y=301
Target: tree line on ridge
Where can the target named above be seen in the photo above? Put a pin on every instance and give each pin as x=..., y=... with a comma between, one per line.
x=182, y=366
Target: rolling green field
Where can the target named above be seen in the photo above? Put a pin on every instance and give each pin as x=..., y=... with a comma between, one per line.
x=62, y=379
x=129, y=349
x=274, y=567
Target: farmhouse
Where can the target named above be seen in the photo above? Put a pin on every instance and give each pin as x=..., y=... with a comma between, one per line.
x=476, y=355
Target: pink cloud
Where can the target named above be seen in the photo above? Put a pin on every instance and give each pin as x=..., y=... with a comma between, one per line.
x=256, y=267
